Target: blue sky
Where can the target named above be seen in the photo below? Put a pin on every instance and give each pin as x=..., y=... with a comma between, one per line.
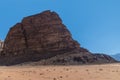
x=95, y=24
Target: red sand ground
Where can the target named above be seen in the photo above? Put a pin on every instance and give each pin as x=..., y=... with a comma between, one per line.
x=83, y=72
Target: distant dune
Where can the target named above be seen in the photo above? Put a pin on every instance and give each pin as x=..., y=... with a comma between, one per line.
x=85, y=72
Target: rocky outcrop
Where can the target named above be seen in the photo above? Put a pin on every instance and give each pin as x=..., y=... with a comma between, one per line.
x=42, y=36
x=72, y=58
x=104, y=58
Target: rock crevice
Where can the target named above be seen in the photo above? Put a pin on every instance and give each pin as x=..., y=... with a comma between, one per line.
x=25, y=37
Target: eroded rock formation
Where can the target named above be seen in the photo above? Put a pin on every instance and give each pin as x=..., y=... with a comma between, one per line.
x=41, y=32
x=42, y=36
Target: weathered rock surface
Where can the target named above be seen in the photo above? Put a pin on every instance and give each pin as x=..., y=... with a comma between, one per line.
x=43, y=36
x=41, y=32
x=72, y=58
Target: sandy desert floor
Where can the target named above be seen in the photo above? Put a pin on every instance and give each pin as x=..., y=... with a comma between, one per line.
x=83, y=72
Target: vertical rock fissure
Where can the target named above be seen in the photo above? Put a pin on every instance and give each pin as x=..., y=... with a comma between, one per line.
x=25, y=37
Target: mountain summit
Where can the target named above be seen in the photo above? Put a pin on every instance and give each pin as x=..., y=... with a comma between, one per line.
x=43, y=37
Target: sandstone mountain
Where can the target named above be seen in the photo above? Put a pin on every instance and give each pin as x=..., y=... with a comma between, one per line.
x=44, y=38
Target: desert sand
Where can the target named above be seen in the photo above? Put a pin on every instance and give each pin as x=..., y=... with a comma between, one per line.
x=81, y=72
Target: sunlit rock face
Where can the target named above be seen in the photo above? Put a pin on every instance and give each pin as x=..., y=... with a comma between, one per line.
x=42, y=36
x=1, y=45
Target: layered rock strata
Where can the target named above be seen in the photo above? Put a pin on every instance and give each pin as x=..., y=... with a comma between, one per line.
x=43, y=36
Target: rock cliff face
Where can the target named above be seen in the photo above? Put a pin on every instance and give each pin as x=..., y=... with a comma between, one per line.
x=42, y=36
x=41, y=33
